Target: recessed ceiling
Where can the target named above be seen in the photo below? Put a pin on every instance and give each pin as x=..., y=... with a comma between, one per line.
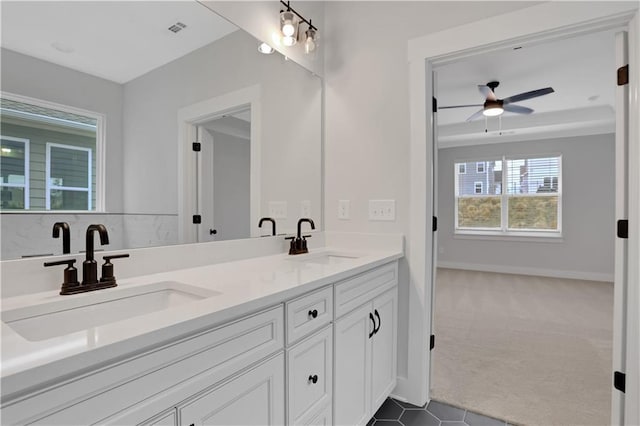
x=115, y=40
x=581, y=70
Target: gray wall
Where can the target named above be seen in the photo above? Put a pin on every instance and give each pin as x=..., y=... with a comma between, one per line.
x=290, y=130
x=28, y=76
x=588, y=187
x=231, y=186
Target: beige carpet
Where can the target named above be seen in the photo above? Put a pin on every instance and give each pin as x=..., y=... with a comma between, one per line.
x=528, y=350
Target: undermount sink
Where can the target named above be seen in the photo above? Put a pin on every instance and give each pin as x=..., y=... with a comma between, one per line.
x=69, y=314
x=325, y=258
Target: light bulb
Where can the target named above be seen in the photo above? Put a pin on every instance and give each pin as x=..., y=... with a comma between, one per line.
x=310, y=42
x=288, y=40
x=287, y=23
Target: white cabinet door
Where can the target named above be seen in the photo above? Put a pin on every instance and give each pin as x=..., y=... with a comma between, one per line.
x=253, y=398
x=169, y=418
x=384, y=347
x=310, y=374
x=352, y=367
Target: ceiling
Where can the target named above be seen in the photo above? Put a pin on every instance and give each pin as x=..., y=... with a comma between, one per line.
x=581, y=70
x=115, y=40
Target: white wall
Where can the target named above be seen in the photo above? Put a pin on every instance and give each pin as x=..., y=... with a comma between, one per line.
x=367, y=111
x=291, y=125
x=586, y=248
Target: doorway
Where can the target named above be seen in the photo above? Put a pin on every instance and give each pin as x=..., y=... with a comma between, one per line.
x=224, y=176
x=526, y=249
x=516, y=28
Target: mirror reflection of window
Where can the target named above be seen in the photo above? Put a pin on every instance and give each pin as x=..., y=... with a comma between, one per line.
x=49, y=157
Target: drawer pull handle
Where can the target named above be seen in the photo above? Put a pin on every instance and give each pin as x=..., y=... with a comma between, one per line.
x=374, y=325
x=313, y=379
x=314, y=313
x=375, y=330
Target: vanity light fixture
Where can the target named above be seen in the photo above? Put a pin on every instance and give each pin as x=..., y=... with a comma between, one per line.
x=265, y=49
x=289, y=28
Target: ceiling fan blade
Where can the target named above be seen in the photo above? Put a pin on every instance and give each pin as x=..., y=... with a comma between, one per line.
x=475, y=115
x=487, y=92
x=517, y=109
x=527, y=95
x=460, y=106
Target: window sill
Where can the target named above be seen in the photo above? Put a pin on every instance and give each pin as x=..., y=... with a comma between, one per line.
x=528, y=237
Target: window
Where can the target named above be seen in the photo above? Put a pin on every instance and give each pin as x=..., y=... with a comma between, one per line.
x=14, y=169
x=517, y=196
x=462, y=168
x=68, y=183
x=50, y=156
x=480, y=167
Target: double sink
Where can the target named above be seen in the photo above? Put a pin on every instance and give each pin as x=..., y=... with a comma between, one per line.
x=68, y=314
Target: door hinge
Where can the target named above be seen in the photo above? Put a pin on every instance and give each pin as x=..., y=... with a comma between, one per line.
x=434, y=104
x=197, y=219
x=434, y=224
x=197, y=146
x=432, y=342
x=619, y=381
x=623, y=75
x=623, y=228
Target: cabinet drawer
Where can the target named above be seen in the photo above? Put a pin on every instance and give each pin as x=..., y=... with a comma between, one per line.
x=310, y=376
x=309, y=313
x=355, y=291
x=142, y=386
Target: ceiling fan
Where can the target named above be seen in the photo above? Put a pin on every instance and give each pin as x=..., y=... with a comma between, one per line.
x=493, y=106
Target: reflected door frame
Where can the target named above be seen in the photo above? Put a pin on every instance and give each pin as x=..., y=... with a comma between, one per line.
x=189, y=118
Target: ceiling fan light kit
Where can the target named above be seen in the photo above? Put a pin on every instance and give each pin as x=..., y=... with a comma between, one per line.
x=494, y=107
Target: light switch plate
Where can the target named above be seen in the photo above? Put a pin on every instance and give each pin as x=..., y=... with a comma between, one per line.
x=305, y=208
x=278, y=209
x=384, y=210
x=344, y=207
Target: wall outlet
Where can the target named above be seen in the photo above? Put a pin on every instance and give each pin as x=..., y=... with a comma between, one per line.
x=278, y=209
x=305, y=208
x=344, y=207
x=382, y=210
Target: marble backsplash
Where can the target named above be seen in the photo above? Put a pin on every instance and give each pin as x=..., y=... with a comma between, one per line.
x=29, y=234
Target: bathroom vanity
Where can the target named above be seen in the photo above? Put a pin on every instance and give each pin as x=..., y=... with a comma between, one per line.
x=277, y=339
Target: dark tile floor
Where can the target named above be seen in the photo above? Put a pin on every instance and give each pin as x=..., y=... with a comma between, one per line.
x=397, y=413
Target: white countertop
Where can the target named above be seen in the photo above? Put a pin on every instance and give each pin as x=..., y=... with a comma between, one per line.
x=245, y=286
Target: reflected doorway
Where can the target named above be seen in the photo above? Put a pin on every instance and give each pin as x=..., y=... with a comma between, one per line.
x=224, y=176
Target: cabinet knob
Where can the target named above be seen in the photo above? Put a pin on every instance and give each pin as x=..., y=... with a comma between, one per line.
x=313, y=379
x=314, y=313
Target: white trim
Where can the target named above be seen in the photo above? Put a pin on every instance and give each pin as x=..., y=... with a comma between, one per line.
x=27, y=167
x=538, y=272
x=546, y=21
x=465, y=168
x=101, y=137
x=200, y=112
x=475, y=188
x=484, y=167
x=47, y=175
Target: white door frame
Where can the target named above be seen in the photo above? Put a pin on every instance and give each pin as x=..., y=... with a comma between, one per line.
x=201, y=112
x=545, y=21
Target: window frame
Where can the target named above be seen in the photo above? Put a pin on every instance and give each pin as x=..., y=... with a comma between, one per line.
x=100, y=152
x=478, y=164
x=27, y=163
x=49, y=186
x=475, y=188
x=465, y=169
x=504, y=231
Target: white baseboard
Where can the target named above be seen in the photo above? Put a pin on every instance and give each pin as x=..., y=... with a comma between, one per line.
x=504, y=269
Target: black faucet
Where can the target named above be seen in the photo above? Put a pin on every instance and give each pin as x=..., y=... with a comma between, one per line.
x=299, y=244
x=66, y=235
x=273, y=224
x=90, y=266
